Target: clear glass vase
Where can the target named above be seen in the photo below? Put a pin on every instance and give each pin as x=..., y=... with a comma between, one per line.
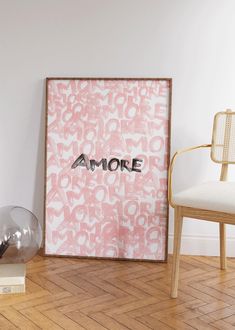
x=20, y=235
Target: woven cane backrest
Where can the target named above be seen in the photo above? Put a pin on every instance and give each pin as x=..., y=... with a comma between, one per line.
x=223, y=138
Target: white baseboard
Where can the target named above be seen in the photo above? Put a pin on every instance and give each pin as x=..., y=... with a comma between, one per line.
x=202, y=245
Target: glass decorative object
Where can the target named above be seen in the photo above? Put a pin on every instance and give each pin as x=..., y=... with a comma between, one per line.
x=20, y=235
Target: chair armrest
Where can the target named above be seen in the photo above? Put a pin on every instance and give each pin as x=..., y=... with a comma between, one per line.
x=171, y=167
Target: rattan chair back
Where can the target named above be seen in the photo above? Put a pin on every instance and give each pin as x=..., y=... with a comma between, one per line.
x=223, y=138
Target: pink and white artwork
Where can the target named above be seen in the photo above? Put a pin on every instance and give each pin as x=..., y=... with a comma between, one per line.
x=107, y=151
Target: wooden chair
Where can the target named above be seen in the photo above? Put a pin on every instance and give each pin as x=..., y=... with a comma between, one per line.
x=211, y=201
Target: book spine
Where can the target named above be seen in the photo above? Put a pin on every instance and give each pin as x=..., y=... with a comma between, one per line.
x=6, y=289
x=6, y=281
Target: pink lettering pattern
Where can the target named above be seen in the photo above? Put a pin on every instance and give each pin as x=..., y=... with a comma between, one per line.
x=116, y=214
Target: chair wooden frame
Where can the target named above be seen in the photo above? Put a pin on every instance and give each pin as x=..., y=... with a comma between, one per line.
x=181, y=211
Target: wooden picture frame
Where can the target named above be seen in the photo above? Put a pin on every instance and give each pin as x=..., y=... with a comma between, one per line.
x=107, y=154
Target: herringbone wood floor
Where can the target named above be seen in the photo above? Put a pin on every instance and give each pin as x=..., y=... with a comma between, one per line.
x=65, y=293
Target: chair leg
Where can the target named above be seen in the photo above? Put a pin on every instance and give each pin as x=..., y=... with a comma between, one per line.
x=176, y=252
x=222, y=229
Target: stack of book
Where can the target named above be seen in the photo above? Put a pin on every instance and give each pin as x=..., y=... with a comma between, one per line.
x=12, y=278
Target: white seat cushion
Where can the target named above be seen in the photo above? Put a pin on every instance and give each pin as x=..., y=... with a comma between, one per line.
x=213, y=196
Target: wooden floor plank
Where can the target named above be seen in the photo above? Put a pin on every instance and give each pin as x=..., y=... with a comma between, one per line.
x=83, y=303
x=106, y=305
x=6, y=324
x=153, y=323
x=222, y=325
x=61, y=319
x=69, y=293
x=85, y=321
x=108, y=321
x=39, y=319
x=131, y=323
x=19, y=320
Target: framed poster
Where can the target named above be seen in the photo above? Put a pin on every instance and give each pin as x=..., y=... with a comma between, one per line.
x=107, y=154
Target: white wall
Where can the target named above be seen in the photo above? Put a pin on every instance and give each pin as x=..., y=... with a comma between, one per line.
x=191, y=41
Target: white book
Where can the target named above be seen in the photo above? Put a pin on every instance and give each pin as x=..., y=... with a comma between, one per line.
x=6, y=289
x=12, y=278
